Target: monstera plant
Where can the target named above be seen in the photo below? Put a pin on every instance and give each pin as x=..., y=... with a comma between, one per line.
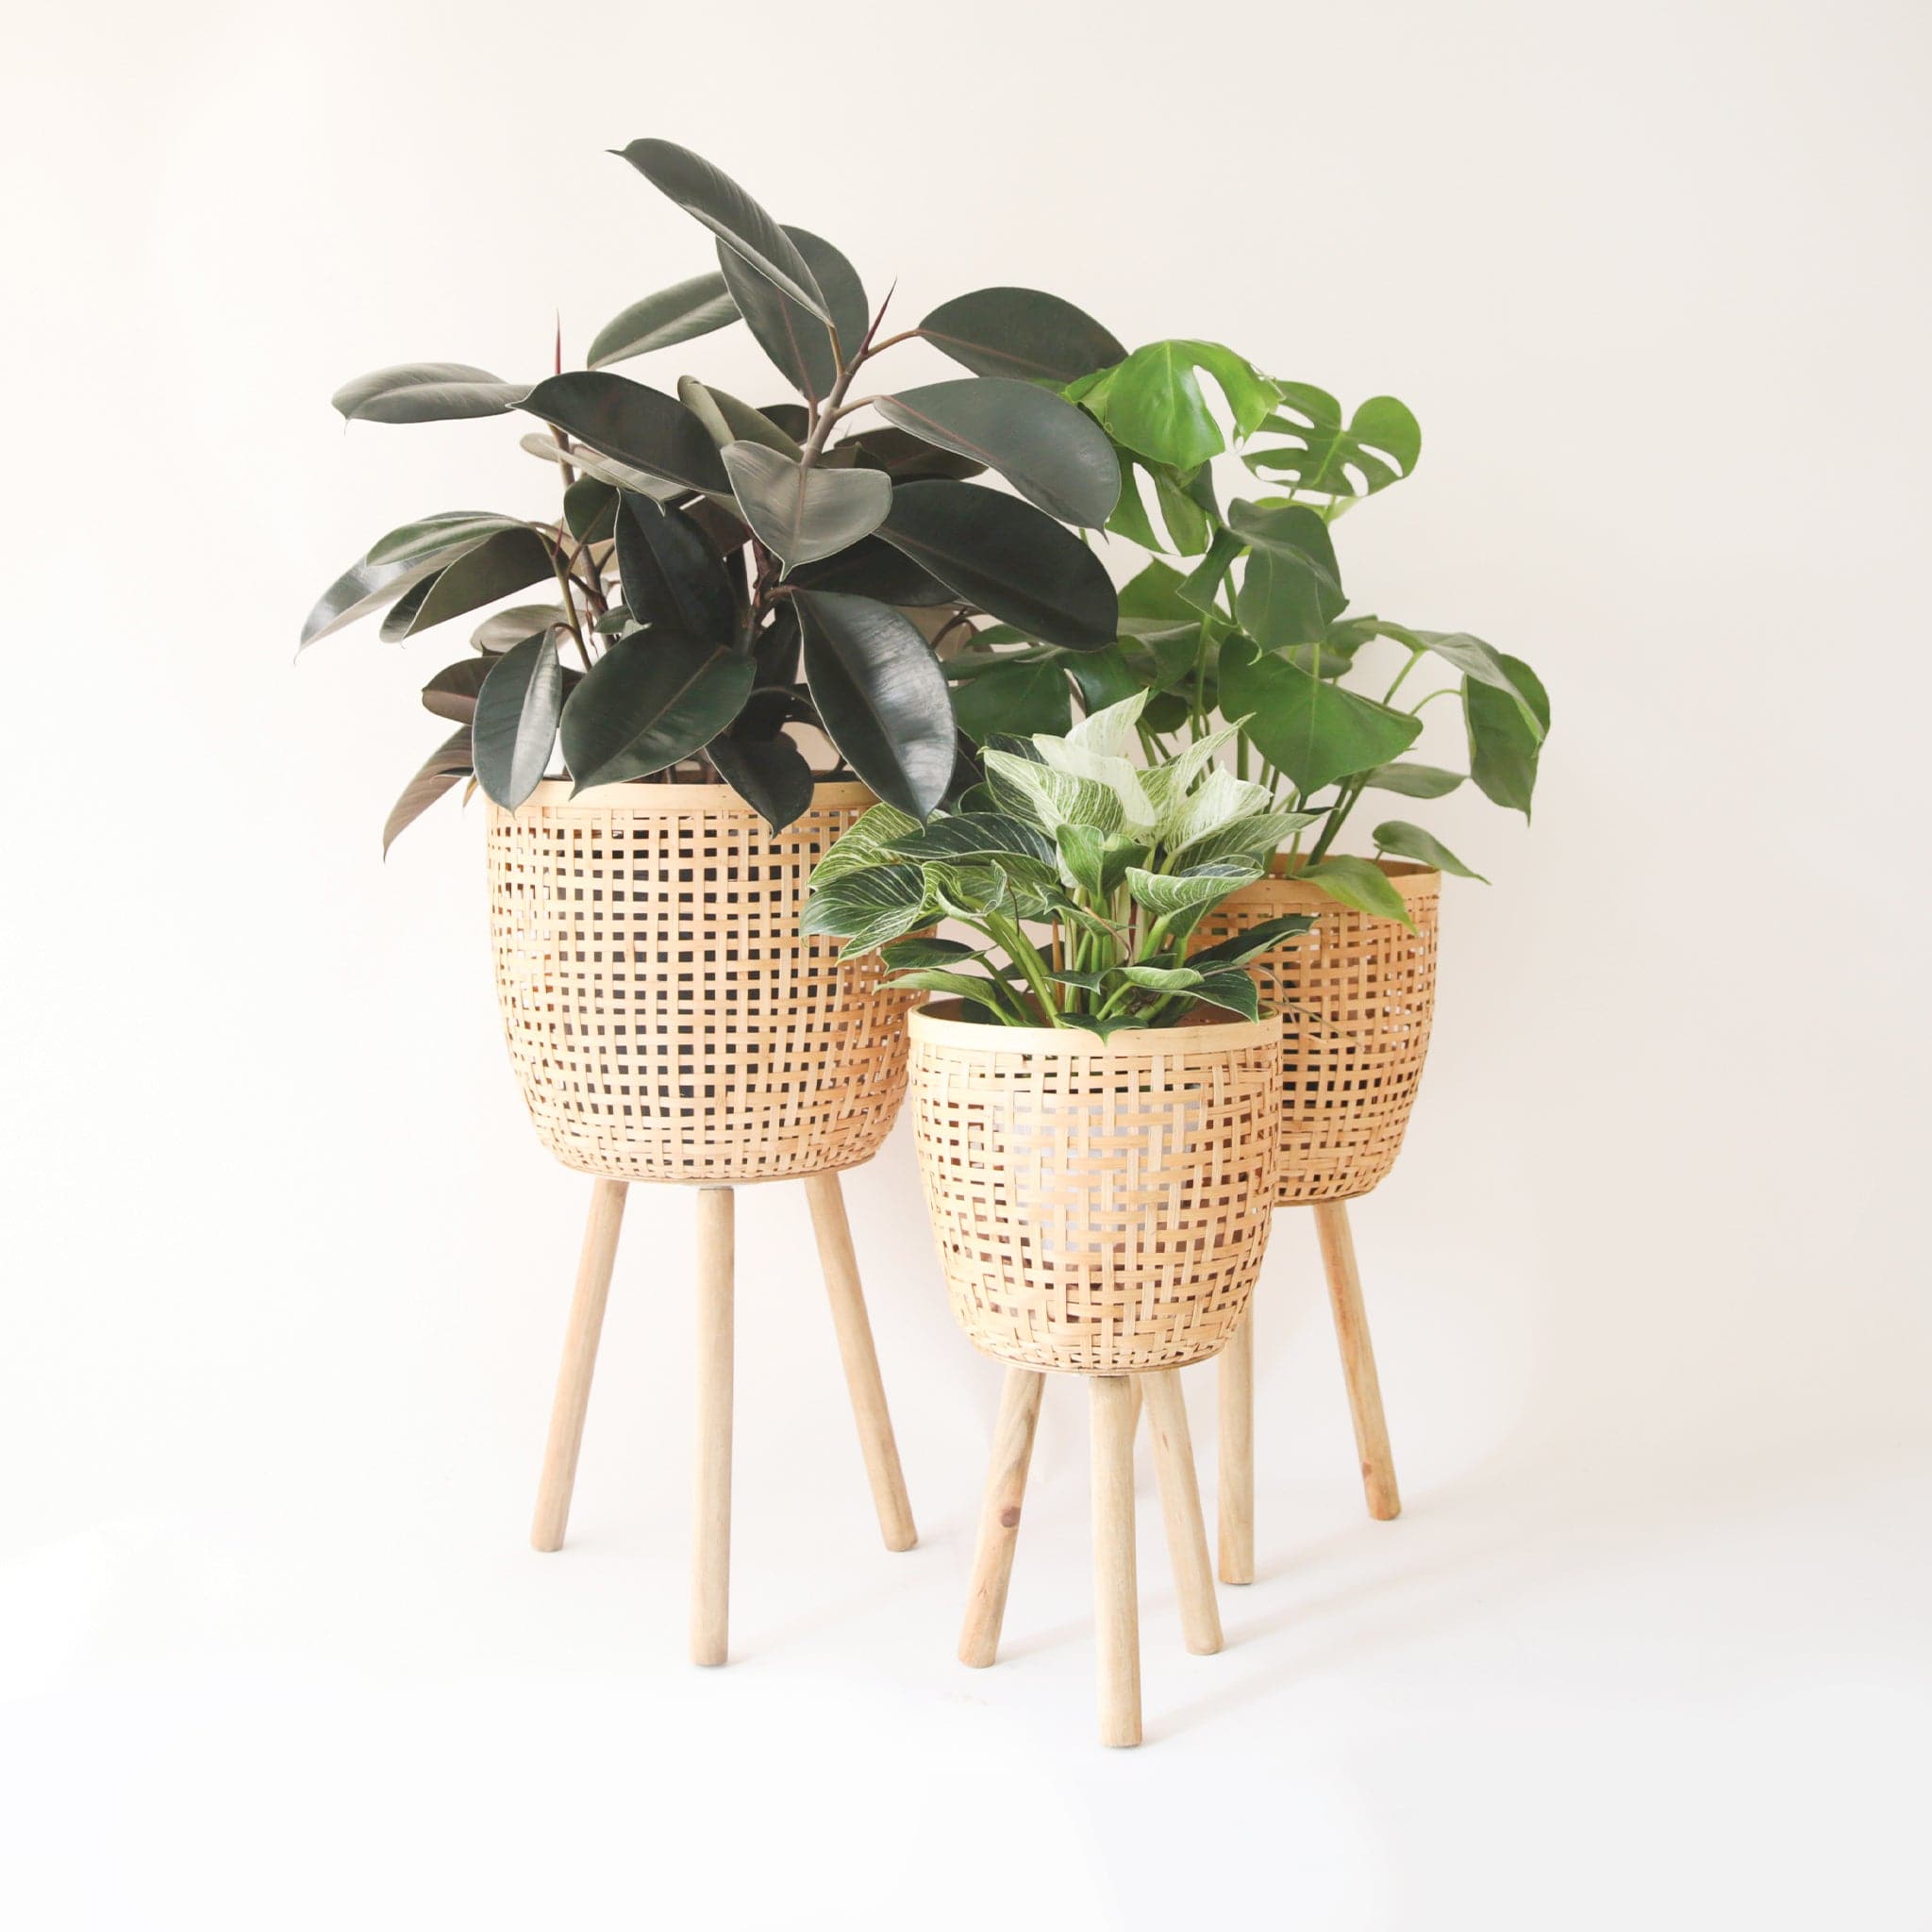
x=1251, y=622
x=1118, y=862
x=718, y=573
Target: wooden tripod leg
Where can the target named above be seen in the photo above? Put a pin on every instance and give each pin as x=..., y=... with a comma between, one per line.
x=1234, y=1478
x=1180, y=1508
x=1116, y=1591
x=594, y=1263
x=875, y=1441
x=1358, y=1360
x=999, y=1516
x=710, y=1577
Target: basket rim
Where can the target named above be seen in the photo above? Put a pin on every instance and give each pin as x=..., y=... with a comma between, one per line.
x=930, y=1022
x=1414, y=880
x=643, y=795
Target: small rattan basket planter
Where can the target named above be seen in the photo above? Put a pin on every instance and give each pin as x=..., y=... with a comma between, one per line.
x=668, y=1021
x=1358, y=995
x=1101, y=1208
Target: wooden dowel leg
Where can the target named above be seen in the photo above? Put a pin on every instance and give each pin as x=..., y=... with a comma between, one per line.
x=876, y=1440
x=1234, y=1478
x=711, y=1578
x=1358, y=1360
x=1116, y=1593
x=999, y=1516
x=1180, y=1509
x=594, y=1263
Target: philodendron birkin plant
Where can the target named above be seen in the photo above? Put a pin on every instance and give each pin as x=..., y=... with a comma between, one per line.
x=718, y=573
x=1252, y=622
x=1116, y=863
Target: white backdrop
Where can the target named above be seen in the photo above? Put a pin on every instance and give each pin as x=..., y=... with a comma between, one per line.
x=285, y=1271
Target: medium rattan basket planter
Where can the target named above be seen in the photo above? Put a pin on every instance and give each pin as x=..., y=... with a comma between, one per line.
x=1356, y=995
x=1101, y=1207
x=666, y=1019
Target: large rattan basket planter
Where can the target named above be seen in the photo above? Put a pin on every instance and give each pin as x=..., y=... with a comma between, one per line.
x=1356, y=995
x=666, y=1019
x=1101, y=1207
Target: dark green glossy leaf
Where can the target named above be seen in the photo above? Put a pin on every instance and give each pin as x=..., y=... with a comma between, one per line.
x=904, y=458
x=1413, y=781
x=452, y=692
x=713, y=198
x=1233, y=992
x=1202, y=590
x=1025, y=333
x=426, y=392
x=1360, y=883
x=1008, y=558
x=1104, y=677
x=511, y=560
x=1019, y=698
x=587, y=462
x=914, y=955
x=515, y=726
x=727, y=420
x=1262, y=937
x=775, y=650
x=795, y=339
x=975, y=986
x=676, y=314
x=437, y=538
x=503, y=628
x=769, y=774
x=1504, y=747
x=802, y=515
x=1310, y=729
x=871, y=568
x=653, y=698
x=364, y=588
x=1290, y=586
x=632, y=422
x=1323, y=457
x=439, y=771
x=1153, y=405
x=589, y=509
x=402, y=613
x=1048, y=450
x=1478, y=661
x=1411, y=842
x=879, y=690
x=1130, y=518
x=671, y=576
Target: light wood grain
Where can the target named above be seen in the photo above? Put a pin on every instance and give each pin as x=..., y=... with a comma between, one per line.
x=868, y=1391
x=580, y=1337
x=710, y=1578
x=1358, y=1360
x=1234, y=1475
x=1116, y=1591
x=1180, y=1509
x=999, y=1516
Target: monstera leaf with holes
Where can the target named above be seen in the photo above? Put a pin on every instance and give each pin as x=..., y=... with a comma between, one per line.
x=730, y=586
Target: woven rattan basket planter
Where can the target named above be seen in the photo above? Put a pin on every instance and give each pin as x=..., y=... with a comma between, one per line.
x=665, y=1017
x=1101, y=1207
x=1356, y=995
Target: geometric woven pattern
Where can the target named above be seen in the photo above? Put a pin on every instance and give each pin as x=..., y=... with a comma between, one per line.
x=1100, y=1206
x=1356, y=995
x=665, y=1017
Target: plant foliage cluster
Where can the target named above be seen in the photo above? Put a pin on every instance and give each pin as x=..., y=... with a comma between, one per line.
x=1082, y=874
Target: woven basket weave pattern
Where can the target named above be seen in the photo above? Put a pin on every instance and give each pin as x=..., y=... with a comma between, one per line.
x=1098, y=1209
x=1356, y=995
x=665, y=1017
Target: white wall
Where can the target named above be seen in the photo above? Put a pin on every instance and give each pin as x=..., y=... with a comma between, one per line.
x=287, y=1270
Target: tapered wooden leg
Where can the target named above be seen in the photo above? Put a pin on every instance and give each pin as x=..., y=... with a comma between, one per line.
x=710, y=1578
x=579, y=1362
x=1116, y=1592
x=999, y=1516
x=1180, y=1508
x=868, y=1392
x=1234, y=1478
x=1358, y=1359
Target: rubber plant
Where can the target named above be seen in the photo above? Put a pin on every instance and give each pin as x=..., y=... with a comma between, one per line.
x=718, y=573
x=1118, y=862
x=1252, y=620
